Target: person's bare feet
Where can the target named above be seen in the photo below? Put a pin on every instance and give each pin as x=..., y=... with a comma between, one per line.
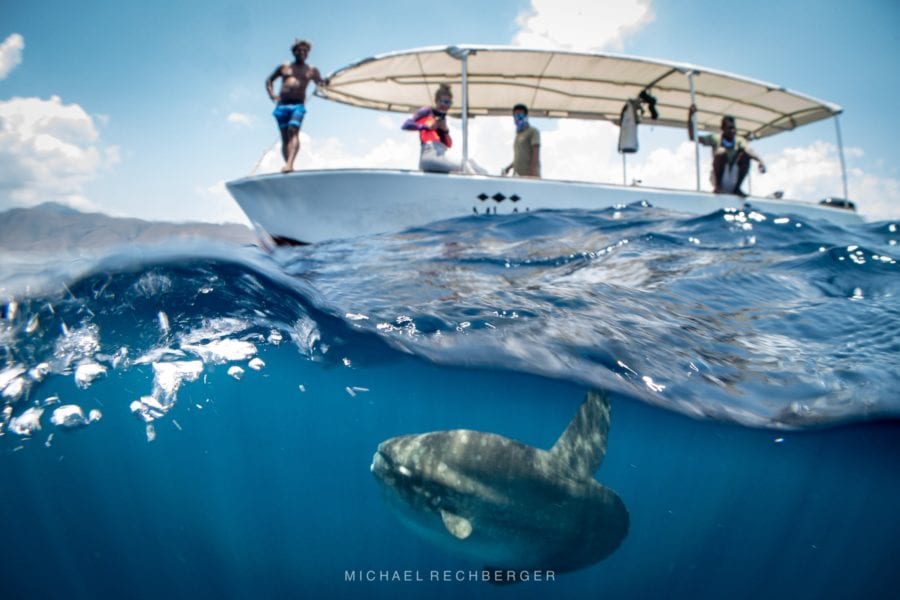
x=287, y=169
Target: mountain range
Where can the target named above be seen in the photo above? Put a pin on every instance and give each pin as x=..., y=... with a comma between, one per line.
x=52, y=227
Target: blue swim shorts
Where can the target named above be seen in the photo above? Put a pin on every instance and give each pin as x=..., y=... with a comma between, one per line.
x=289, y=115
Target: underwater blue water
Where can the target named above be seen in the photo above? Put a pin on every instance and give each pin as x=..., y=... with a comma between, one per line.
x=229, y=402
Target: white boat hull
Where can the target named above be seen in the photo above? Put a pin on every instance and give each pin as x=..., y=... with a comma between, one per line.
x=314, y=206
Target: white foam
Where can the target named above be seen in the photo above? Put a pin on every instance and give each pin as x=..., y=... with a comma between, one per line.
x=74, y=346
x=306, y=335
x=12, y=383
x=120, y=358
x=39, y=371
x=6, y=414
x=163, y=322
x=256, y=364
x=156, y=354
x=8, y=375
x=86, y=373
x=168, y=377
x=69, y=416
x=148, y=408
x=27, y=422
x=15, y=389
x=656, y=387
x=213, y=329
x=221, y=351
x=152, y=285
x=236, y=372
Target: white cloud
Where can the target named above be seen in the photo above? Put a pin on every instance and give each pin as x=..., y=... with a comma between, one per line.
x=387, y=122
x=217, y=201
x=240, y=119
x=396, y=150
x=10, y=54
x=814, y=172
x=581, y=24
x=48, y=151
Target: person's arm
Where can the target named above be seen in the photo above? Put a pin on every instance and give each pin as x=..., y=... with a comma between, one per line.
x=535, y=152
x=705, y=139
x=535, y=160
x=270, y=83
x=316, y=77
x=690, y=121
x=411, y=123
x=754, y=156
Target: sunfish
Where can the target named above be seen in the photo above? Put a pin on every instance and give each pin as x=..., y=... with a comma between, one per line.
x=504, y=503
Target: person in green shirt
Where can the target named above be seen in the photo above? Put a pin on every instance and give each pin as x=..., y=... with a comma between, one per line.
x=526, y=147
x=731, y=155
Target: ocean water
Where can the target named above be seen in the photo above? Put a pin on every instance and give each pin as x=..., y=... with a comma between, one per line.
x=193, y=420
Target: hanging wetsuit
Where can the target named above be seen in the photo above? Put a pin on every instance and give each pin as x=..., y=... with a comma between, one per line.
x=628, y=126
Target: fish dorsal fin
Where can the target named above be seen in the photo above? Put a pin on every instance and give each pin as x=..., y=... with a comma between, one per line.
x=459, y=527
x=582, y=445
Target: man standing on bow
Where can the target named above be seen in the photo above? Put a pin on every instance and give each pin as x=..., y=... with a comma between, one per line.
x=291, y=99
x=526, y=147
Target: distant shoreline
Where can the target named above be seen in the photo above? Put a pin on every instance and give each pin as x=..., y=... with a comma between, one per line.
x=52, y=227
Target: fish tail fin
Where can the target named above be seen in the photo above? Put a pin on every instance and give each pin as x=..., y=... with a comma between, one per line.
x=582, y=446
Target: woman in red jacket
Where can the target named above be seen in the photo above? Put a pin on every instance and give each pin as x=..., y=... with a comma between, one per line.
x=431, y=123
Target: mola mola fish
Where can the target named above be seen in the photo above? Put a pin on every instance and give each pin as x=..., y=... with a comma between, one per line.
x=504, y=503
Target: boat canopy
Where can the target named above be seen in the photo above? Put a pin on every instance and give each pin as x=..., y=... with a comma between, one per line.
x=577, y=85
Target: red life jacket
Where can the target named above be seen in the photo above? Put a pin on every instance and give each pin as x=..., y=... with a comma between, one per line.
x=432, y=135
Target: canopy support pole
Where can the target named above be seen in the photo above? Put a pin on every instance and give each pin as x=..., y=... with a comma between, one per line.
x=462, y=55
x=840, y=141
x=696, y=133
x=624, y=169
x=465, y=109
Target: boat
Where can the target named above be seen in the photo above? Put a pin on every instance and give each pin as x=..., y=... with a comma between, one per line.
x=311, y=206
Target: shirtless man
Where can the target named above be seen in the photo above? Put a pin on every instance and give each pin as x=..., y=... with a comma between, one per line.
x=290, y=109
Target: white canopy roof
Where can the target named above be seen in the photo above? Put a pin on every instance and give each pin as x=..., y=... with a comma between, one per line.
x=561, y=84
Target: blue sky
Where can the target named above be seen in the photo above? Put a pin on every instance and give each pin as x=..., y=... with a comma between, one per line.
x=146, y=109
